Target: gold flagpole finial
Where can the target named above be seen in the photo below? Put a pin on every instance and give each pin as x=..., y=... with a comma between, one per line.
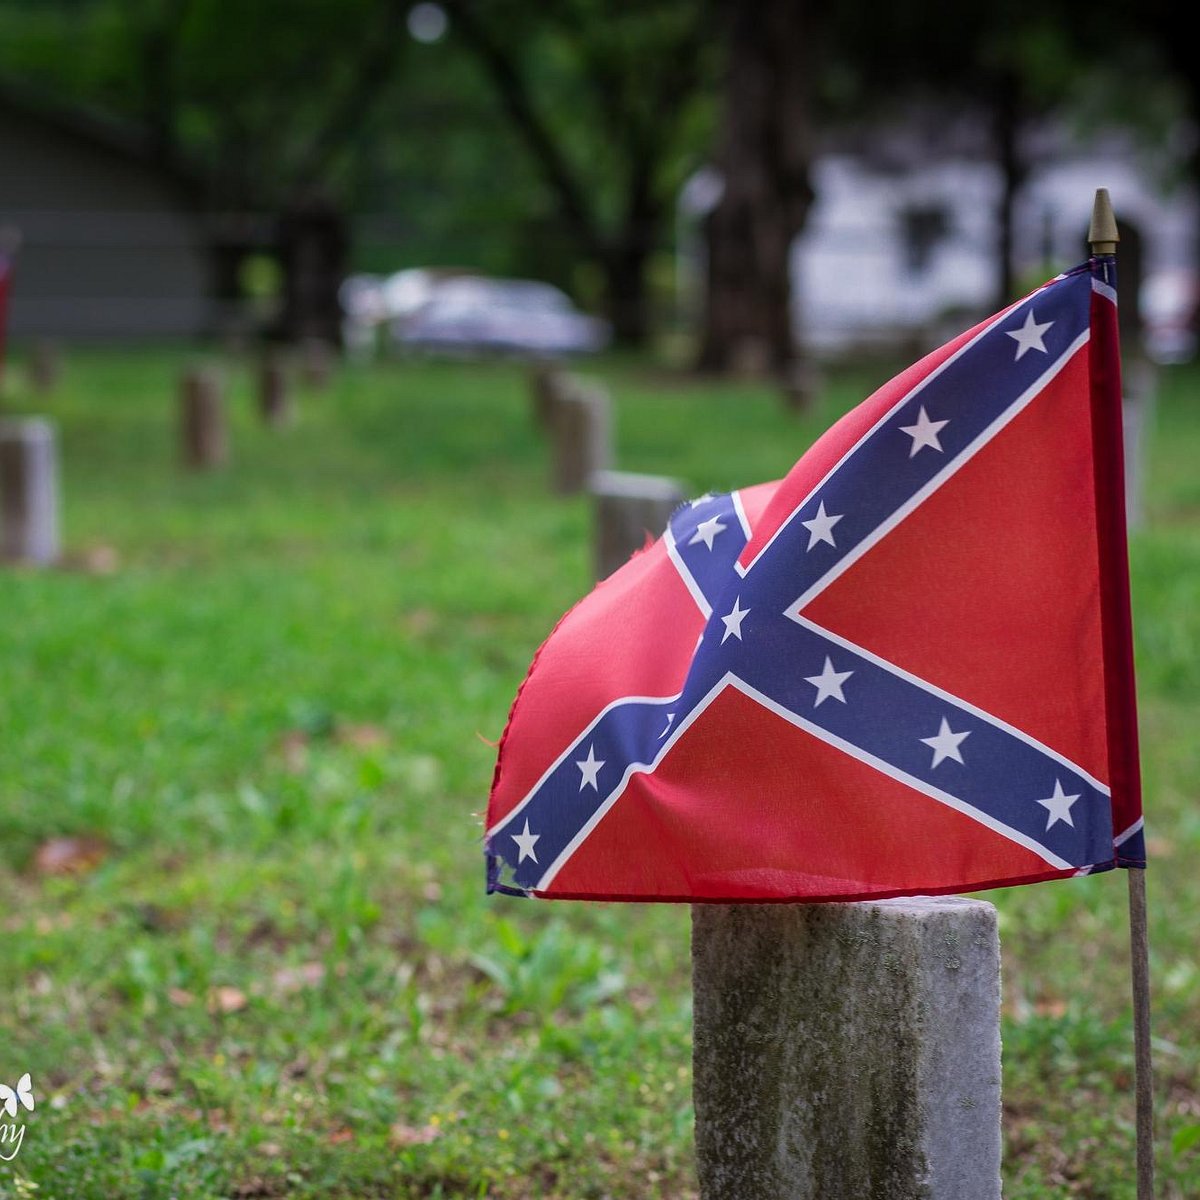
x=1102, y=233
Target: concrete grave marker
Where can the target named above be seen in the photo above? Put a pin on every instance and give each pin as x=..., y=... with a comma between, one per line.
x=1137, y=419
x=28, y=491
x=847, y=1051
x=629, y=507
x=45, y=365
x=581, y=435
x=316, y=363
x=274, y=392
x=547, y=382
x=204, y=437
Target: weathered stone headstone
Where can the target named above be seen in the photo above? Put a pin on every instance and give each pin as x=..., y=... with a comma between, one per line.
x=1137, y=413
x=28, y=491
x=750, y=357
x=581, y=434
x=203, y=434
x=316, y=363
x=45, y=365
x=629, y=508
x=802, y=386
x=547, y=382
x=847, y=1051
x=274, y=394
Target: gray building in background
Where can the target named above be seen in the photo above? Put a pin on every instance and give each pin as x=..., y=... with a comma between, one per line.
x=112, y=245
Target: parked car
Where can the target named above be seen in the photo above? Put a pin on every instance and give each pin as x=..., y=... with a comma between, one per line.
x=473, y=314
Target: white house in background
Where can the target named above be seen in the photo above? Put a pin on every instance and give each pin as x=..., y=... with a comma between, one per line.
x=900, y=245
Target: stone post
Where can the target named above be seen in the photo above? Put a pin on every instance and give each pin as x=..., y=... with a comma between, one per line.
x=1137, y=419
x=847, y=1051
x=802, y=386
x=581, y=432
x=629, y=507
x=547, y=383
x=45, y=366
x=274, y=394
x=316, y=363
x=28, y=491
x=205, y=441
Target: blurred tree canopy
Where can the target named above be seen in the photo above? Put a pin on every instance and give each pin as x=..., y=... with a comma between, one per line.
x=552, y=139
x=610, y=99
x=262, y=98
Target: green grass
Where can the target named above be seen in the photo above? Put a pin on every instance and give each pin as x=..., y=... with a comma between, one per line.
x=283, y=977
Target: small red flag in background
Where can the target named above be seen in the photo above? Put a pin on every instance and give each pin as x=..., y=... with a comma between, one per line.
x=905, y=668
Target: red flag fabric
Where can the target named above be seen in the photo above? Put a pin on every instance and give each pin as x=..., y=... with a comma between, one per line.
x=905, y=668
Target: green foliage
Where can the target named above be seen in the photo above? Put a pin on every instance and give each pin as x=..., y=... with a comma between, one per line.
x=268, y=101
x=283, y=977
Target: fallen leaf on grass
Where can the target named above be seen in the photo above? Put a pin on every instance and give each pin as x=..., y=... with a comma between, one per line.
x=180, y=997
x=339, y=1136
x=69, y=855
x=292, y=979
x=1051, y=1008
x=298, y=1068
x=225, y=999
x=362, y=737
x=420, y=621
x=410, y=1135
x=100, y=559
x=254, y=1186
x=293, y=746
x=161, y=1079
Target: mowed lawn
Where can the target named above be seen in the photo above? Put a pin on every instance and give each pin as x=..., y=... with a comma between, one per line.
x=266, y=699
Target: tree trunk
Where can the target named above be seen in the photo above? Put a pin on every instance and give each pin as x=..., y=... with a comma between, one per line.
x=765, y=158
x=626, y=262
x=628, y=299
x=1012, y=171
x=1191, y=77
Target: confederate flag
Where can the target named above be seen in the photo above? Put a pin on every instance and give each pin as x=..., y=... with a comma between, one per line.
x=904, y=668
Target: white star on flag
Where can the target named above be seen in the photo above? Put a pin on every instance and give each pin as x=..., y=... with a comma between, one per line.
x=667, y=726
x=699, y=500
x=945, y=744
x=1029, y=336
x=590, y=769
x=1059, y=805
x=733, y=622
x=821, y=526
x=706, y=531
x=924, y=432
x=525, y=843
x=828, y=683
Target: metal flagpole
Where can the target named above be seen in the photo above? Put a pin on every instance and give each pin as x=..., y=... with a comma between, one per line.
x=1139, y=945
x=1102, y=235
